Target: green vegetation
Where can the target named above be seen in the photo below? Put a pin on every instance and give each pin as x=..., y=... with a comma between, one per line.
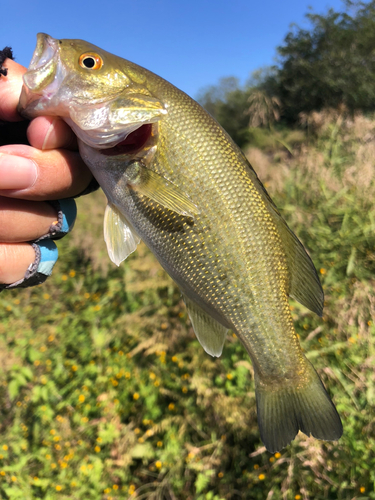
x=106, y=394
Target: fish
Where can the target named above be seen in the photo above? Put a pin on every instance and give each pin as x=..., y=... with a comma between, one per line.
x=175, y=179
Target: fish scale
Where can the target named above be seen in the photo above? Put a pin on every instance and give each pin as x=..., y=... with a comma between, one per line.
x=189, y=192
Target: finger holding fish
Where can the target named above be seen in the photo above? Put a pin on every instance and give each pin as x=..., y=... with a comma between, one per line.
x=29, y=176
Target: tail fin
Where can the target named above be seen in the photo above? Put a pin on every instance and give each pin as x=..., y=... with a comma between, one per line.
x=283, y=412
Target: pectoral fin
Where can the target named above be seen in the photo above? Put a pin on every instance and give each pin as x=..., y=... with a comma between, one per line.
x=157, y=188
x=209, y=332
x=120, y=238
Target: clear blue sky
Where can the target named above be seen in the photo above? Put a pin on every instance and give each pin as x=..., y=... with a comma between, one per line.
x=191, y=43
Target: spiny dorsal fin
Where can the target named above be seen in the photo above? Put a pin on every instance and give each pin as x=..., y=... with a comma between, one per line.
x=209, y=332
x=305, y=286
x=120, y=238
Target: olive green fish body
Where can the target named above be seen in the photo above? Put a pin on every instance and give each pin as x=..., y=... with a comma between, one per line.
x=175, y=179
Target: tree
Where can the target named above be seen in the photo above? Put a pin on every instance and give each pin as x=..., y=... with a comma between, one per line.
x=333, y=63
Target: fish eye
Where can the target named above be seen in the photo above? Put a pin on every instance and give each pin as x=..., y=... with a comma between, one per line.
x=90, y=60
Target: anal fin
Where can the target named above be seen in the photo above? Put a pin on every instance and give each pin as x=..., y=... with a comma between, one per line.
x=209, y=332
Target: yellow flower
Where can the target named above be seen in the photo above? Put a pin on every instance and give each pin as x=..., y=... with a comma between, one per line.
x=256, y=466
x=46, y=296
x=115, y=486
x=272, y=459
x=323, y=271
x=297, y=497
x=136, y=396
x=2, y=473
x=74, y=368
x=97, y=307
x=158, y=464
x=261, y=477
x=277, y=455
x=159, y=444
x=64, y=277
x=221, y=474
x=97, y=449
x=171, y=406
x=174, y=359
x=72, y=273
x=99, y=439
x=14, y=479
x=362, y=489
x=81, y=398
x=229, y=376
x=5, y=447
x=58, y=487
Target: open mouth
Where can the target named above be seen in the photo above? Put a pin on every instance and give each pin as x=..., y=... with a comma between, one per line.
x=42, y=69
x=133, y=143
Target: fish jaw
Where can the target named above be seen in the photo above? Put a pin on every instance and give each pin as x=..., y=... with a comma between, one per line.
x=43, y=81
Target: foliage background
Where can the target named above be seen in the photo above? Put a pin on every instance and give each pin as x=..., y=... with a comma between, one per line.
x=106, y=394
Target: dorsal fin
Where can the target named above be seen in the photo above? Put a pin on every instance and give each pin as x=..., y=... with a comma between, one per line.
x=305, y=286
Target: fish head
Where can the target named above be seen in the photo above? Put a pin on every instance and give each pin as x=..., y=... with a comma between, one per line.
x=103, y=97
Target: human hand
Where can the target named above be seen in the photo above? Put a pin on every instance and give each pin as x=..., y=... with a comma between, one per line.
x=50, y=168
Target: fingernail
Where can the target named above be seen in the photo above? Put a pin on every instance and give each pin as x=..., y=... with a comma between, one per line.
x=17, y=172
x=50, y=138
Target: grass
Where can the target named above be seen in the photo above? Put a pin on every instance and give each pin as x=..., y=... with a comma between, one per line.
x=106, y=394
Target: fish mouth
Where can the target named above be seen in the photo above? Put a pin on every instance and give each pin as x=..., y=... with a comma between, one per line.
x=133, y=143
x=43, y=77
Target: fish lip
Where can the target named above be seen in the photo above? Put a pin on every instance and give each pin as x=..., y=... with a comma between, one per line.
x=42, y=79
x=45, y=51
x=43, y=64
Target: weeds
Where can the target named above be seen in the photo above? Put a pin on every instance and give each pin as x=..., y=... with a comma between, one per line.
x=106, y=394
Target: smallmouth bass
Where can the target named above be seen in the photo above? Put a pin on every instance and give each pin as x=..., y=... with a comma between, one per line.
x=174, y=178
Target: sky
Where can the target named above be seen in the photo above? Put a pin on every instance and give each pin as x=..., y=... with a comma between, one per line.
x=190, y=43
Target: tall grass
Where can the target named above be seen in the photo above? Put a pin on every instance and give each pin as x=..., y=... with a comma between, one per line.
x=106, y=394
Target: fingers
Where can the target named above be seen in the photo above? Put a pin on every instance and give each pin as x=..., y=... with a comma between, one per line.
x=22, y=220
x=14, y=261
x=30, y=174
x=49, y=132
